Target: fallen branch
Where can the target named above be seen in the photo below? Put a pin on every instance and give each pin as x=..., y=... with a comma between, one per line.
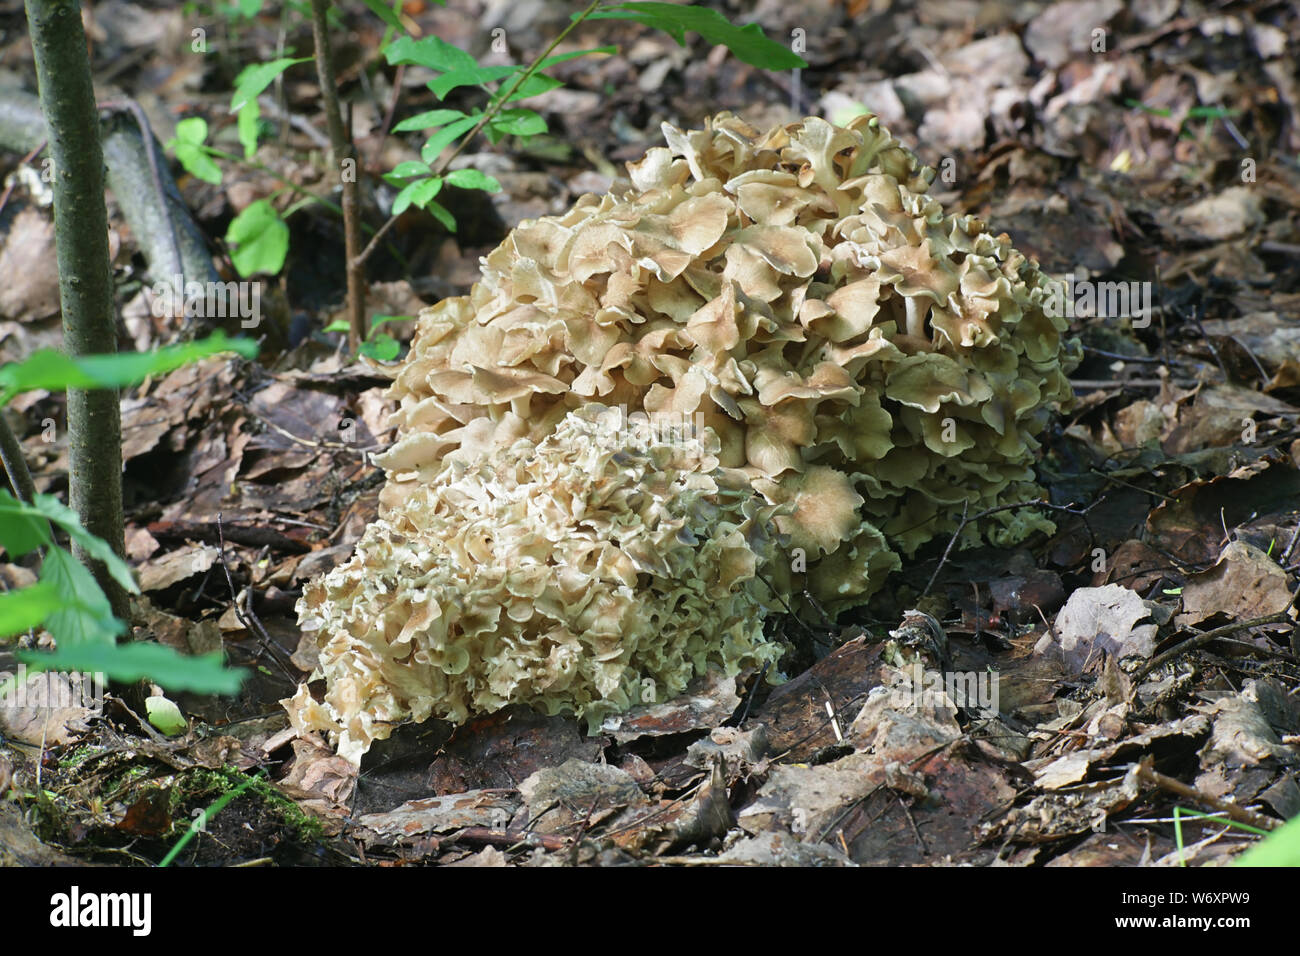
x=506, y=838
x=130, y=176
x=1180, y=789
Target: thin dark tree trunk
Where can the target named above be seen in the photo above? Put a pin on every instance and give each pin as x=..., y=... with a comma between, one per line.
x=344, y=161
x=85, y=278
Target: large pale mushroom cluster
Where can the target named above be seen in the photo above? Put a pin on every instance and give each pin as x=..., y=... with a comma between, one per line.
x=604, y=566
x=864, y=362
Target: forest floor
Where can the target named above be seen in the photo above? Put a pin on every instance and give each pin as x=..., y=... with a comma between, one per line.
x=1131, y=684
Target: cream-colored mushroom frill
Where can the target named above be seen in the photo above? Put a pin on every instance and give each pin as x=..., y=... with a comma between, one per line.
x=855, y=367
x=604, y=566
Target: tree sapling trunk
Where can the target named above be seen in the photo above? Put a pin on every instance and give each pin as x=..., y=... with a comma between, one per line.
x=343, y=158
x=85, y=276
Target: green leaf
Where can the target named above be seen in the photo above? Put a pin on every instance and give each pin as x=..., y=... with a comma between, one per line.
x=518, y=122
x=249, y=127
x=189, y=150
x=442, y=214
x=198, y=164
x=1211, y=112
x=60, y=514
x=535, y=85
x=164, y=666
x=256, y=77
x=475, y=75
x=564, y=57
x=53, y=371
x=387, y=14
x=382, y=347
x=403, y=200
x=749, y=43
x=416, y=194
x=431, y=51
x=192, y=130
x=1279, y=848
x=22, y=529
x=1156, y=110
x=427, y=120
x=84, y=615
x=26, y=608
x=377, y=320
x=470, y=76
x=165, y=715
x=338, y=325
x=412, y=168
x=473, y=179
x=440, y=140
x=260, y=238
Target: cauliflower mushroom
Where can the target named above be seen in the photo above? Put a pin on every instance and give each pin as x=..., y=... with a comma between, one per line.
x=863, y=367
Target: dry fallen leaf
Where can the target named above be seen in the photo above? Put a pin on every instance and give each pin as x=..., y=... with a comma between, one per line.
x=1096, y=622
x=1245, y=583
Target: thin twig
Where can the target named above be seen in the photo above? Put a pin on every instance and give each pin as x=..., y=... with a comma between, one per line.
x=1099, y=383
x=1153, y=359
x=1195, y=315
x=506, y=838
x=1126, y=484
x=758, y=573
x=1266, y=651
x=1207, y=637
x=1290, y=548
x=396, y=98
x=522, y=78
x=263, y=168
x=9, y=186
x=1284, y=248
x=1180, y=789
x=300, y=123
x=1259, y=367
x=749, y=697
x=703, y=861
x=971, y=519
x=246, y=616
x=11, y=452
x=916, y=832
